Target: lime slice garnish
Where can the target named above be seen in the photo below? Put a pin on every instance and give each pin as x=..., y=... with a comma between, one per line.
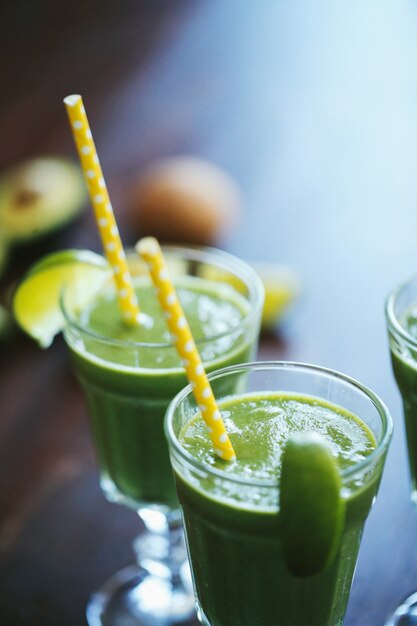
x=311, y=506
x=36, y=300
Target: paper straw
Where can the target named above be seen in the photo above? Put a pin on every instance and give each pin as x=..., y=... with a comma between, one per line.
x=150, y=251
x=103, y=210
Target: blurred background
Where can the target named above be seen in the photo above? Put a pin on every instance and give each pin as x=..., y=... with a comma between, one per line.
x=310, y=111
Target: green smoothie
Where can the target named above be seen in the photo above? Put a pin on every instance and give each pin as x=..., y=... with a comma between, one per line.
x=404, y=364
x=231, y=511
x=130, y=374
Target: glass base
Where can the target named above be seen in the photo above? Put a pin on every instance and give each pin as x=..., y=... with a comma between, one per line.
x=134, y=597
x=406, y=613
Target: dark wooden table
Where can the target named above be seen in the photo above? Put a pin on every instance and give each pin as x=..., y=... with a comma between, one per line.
x=312, y=107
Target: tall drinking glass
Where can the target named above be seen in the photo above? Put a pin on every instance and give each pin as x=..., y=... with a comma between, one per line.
x=128, y=386
x=401, y=318
x=232, y=520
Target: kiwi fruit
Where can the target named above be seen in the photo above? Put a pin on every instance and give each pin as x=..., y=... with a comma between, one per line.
x=184, y=199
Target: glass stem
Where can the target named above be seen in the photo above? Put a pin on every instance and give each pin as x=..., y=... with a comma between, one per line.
x=161, y=548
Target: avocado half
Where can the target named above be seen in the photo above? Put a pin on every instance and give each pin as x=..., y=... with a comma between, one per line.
x=38, y=197
x=4, y=252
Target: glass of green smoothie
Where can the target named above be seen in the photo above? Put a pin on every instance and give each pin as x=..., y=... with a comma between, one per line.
x=239, y=530
x=129, y=376
x=401, y=318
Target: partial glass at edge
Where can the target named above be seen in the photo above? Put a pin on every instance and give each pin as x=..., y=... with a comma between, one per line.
x=127, y=403
x=403, y=350
x=249, y=583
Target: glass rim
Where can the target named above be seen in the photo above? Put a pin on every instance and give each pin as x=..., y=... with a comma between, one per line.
x=393, y=322
x=247, y=274
x=274, y=365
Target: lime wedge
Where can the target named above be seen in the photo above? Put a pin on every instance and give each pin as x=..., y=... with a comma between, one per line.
x=311, y=507
x=282, y=287
x=36, y=300
x=281, y=283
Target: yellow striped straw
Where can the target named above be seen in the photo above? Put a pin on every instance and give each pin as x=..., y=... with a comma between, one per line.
x=103, y=210
x=149, y=249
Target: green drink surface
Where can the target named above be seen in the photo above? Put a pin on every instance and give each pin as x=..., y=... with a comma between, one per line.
x=260, y=424
x=212, y=309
